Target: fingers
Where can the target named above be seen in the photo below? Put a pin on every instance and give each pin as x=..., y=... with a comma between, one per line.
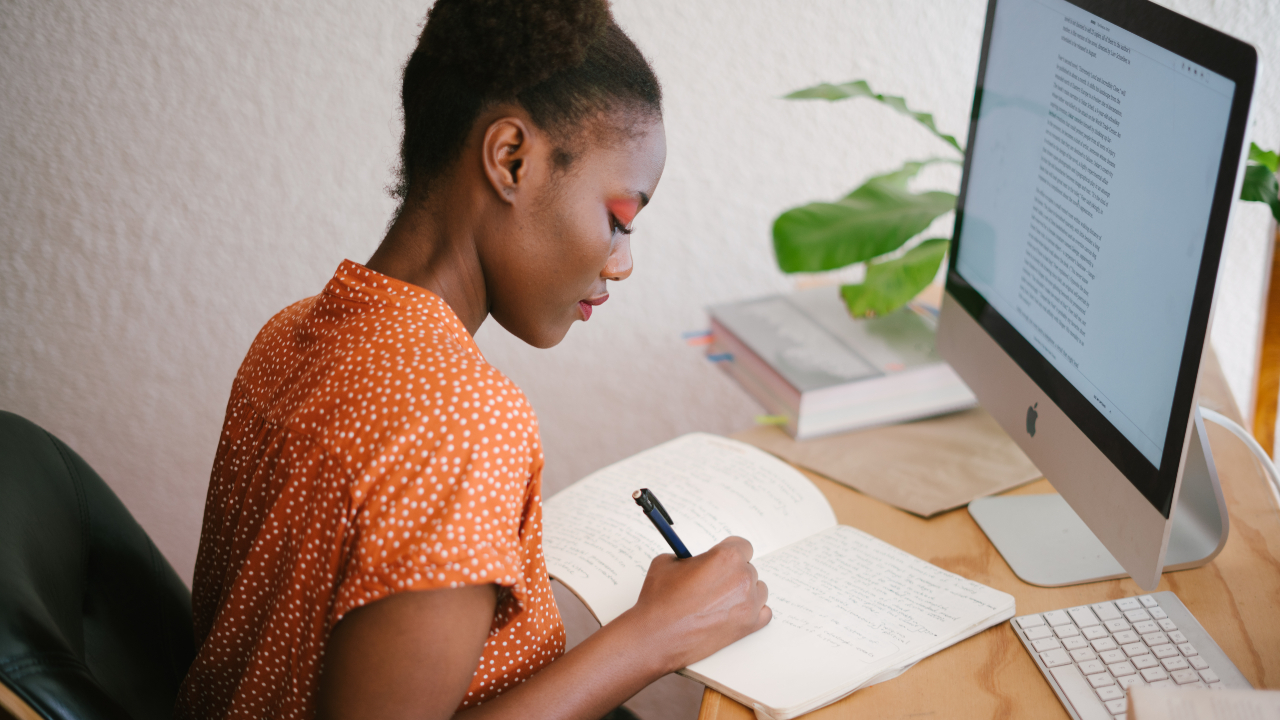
x=766, y=614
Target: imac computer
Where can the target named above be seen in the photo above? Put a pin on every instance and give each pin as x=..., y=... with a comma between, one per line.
x=1105, y=151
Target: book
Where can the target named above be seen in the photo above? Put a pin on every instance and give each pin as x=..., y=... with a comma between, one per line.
x=848, y=610
x=803, y=357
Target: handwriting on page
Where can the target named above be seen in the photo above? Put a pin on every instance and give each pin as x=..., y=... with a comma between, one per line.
x=850, y=590
x=599, y=543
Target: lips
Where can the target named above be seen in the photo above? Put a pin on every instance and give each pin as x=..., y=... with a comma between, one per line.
x=586, y=305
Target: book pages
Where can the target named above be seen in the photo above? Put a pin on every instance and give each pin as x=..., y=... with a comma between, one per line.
x=846, y=608
x=599, y=543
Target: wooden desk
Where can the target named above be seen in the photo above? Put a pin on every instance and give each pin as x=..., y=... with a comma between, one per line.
x=1236, y=597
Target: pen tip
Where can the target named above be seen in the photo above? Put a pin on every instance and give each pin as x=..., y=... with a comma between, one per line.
x=636, y=495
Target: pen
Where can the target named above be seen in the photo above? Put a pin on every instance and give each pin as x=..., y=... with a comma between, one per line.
x=657, y=514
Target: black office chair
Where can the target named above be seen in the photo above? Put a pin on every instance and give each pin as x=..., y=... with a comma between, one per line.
x=94, y=623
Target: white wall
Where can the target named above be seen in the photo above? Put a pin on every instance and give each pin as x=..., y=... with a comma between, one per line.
x=173, y=173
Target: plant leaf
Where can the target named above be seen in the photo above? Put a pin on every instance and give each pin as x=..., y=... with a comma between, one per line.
x=1260, y=186
x=891, y=284
x=876, y=218
x=1263, y=157
x=860, y=88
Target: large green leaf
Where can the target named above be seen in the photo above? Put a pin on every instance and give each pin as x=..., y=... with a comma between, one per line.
x=891, y=284
x=874, y=219
x=860, y=88
x=1264, y=157
x=1260, y=180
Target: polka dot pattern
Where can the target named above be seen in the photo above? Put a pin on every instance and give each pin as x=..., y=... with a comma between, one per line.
x=368, y=449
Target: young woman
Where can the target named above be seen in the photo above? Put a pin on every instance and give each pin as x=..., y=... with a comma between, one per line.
x=372, y=535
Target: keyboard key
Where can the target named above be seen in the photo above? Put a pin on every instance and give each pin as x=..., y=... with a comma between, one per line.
x=1080, y=693
x=1029, y=621
x=1113, y=656
x=1103, y=678
x=1129, y=681
x=1147, y=601
x=1164, y=651
x=1089, y=667
x=1110, y=692
x=1135, y=649
x=1041, y=631
x=1145, y=626
x=1126, y=604
x=1050, y=643
x=1198, y=662
x=1142, y=662
x=1216, y=686
x=1127, y=636
x=1182, y=677
x=1066, y=631
x=1054, y=658
x=1163, y=684
x=1117, y=625
x=1083, y=616
x=1175, y=663
x=1057, y=617
x=1115, y=706
x=1156, y=638
x=1137, y=615
x=1121, y=669
x=1177, y=638
x=1084, y=655
x=1158, y=613
x=1102, y=644
x=1075, y=643
x=1155, y=674
x=1105, y=611
x=1167, y=625
x=1095, y=632
x=1188, y=649
x=1209, y=676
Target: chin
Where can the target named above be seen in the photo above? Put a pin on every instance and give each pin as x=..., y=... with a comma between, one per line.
x=539, y=336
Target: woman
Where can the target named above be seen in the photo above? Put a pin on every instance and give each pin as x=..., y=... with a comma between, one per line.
x=371, y=543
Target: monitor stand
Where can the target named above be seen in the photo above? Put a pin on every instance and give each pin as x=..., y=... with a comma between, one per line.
x=1047, y=544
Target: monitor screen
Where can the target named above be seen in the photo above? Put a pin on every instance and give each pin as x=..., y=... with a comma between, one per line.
x=1093, y=164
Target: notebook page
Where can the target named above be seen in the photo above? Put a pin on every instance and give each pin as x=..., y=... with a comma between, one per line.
x=846, y=607
x=599, y=543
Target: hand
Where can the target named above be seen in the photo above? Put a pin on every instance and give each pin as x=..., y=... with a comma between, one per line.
x=696, y=606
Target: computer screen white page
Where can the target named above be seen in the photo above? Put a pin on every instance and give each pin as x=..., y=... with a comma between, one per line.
x=1092, y=174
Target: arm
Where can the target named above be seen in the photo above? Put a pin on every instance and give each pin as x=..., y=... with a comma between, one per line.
x=413, y=654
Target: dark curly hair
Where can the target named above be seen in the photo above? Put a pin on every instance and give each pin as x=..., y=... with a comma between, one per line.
x=562, y=60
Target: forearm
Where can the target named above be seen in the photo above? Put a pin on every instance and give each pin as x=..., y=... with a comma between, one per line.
x=587, y=682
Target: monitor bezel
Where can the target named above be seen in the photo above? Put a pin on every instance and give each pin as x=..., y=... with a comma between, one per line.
x=1222, y=54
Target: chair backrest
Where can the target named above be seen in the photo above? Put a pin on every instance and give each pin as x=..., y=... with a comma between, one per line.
x=94, y=622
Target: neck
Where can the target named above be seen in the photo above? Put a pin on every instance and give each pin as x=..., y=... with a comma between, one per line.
x=432, y=245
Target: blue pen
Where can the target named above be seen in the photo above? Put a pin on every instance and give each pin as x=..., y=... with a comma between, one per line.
x=657, y=514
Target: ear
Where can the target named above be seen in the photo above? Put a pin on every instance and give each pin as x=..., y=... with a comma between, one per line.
x=507, y=147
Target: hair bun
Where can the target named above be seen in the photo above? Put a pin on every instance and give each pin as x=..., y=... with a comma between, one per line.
x=509, y=45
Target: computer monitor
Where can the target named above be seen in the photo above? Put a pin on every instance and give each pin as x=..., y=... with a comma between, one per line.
x=1105, y=150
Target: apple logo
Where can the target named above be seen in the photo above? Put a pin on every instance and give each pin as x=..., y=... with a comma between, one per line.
x=1031, y=420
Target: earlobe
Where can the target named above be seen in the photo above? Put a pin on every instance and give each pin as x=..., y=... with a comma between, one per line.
x=506, y=152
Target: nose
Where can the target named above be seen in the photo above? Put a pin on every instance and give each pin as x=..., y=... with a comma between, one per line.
x=618, y=266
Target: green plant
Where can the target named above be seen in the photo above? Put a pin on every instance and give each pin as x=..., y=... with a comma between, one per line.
x=882, y=215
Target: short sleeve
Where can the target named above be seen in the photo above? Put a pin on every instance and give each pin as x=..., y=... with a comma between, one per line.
x=439, y=502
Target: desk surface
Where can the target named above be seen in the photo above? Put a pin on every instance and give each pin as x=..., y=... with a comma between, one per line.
x=991, y=675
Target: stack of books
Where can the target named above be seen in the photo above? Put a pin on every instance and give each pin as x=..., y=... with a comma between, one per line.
x=805, y=359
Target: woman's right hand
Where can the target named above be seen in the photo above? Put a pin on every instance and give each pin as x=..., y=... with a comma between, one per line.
x=695, y=606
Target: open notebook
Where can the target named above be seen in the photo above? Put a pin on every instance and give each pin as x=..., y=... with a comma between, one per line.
x=848, y=610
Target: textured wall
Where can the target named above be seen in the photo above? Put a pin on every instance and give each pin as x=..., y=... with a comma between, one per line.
x=173, y=173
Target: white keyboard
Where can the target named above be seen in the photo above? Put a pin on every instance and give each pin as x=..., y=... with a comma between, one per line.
x=1093, y=653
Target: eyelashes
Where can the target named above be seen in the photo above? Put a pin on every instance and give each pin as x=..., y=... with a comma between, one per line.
x=619, y=227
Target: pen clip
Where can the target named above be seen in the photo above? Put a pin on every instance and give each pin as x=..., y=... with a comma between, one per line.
x=654, y=499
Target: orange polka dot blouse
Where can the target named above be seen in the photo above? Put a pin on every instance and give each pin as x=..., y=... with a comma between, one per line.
x=368, y=449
